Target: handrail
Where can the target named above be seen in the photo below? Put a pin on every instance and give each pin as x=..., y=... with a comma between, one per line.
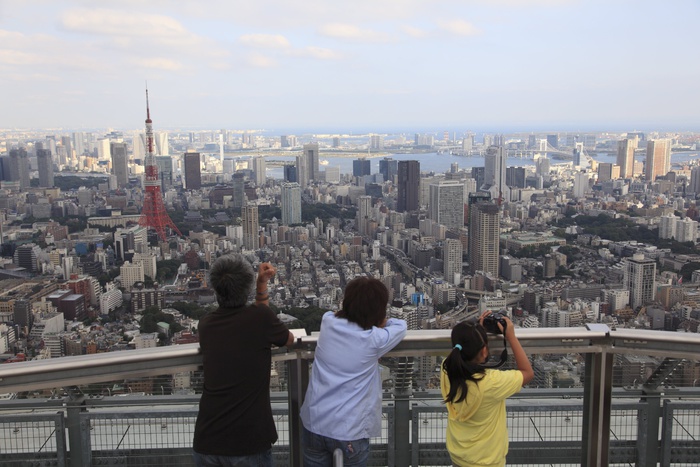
x=85, y=369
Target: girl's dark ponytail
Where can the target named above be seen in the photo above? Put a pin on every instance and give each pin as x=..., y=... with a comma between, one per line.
x=467, y=340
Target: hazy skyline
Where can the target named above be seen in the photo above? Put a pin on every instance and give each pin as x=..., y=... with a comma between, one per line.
x=377, y=65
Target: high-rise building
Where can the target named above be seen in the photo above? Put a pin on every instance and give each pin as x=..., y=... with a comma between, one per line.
x=19, y=168
x=478, y=176
x=605, y=171
x=640, y=278
x=361, y=167
x=79, y=143
x=376, y=141
x=259, y=167
x=578, y=152
x=686, y=230
x=288, y=141
x=161, y=141
x=694, y=183
x=495, y=169
x=26, y=257
x=332, y=174
x=408, y=183
x=515, y=177
x=447, y=203
x=580, y=184
x=532, y=141
x=44, y=163
x=667, y=226
x=311, y=156
x=239, y=197
x=302, y=171
x=131, y=274
x=290, y=173
x=67, y=146
x=452, y=261
x=120, y=163
x=542, y=165
x=193, y=171
x=484, y=230
x=249, y=217
x=165, y=171
x=625, y=157
x=553, y=141
x=291, y=203
x=658, y=162
x=103, y=149
x=364, y=214
x=139, y=146
x=388, y=167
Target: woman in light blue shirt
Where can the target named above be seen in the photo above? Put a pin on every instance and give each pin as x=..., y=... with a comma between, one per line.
x=343, y=405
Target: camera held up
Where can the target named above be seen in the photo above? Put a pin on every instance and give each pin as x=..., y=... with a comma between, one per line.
x=492, y=320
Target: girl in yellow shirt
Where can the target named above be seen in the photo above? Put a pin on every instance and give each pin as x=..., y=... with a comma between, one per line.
x=476, y=396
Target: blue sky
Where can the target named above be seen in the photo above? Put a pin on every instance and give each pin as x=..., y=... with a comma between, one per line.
x=360, y=65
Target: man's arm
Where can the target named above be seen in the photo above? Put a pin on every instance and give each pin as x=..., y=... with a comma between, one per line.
x=389, y=335
x=266, y=271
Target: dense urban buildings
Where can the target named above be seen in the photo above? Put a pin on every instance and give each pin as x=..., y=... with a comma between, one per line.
x=550, y=242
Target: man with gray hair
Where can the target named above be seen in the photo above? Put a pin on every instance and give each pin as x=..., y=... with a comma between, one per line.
x=235, y=425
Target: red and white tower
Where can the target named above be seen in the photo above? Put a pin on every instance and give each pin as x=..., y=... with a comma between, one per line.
x=153, y=215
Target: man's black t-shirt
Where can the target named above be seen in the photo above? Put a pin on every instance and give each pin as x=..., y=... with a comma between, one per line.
x=235, y=418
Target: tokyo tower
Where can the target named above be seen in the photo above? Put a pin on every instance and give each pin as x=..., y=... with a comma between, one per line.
x=153, y=214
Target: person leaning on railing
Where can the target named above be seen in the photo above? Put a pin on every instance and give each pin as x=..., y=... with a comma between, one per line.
x=235, y=425
x=343, y=404
x=476, y=396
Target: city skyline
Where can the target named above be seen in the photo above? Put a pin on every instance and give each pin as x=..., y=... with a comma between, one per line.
x=295, y=66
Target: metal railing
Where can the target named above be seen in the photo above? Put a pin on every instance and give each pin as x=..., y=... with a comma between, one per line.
x=593, y=425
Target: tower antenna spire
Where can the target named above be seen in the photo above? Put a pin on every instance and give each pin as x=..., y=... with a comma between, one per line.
x=148, y=108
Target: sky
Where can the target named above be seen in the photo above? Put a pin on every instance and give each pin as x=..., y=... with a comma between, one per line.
x=344, y=66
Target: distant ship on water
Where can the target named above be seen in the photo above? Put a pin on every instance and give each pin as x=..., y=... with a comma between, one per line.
x=323, y=162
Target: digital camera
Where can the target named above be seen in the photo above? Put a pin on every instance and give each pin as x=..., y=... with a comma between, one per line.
x=492, y=320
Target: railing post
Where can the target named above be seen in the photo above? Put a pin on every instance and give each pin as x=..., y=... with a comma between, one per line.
x=402, y=422
x=648, y=430
x=667, y=434
x=390, y=445
x=61, y=452
x=415, y=436
x=597, y=398
x=298, y=375
x=78, y=432
x=402, y=412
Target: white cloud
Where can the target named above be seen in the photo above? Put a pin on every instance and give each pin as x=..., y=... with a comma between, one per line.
x=25, y=77
x=121, y=23
x=458, y=27
x=16, y=57
x=270, y=41
x=416, y=33
x=319, y=53
x=354, y=33
x=261, y=61
x=220, y=65
x=158, y=63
